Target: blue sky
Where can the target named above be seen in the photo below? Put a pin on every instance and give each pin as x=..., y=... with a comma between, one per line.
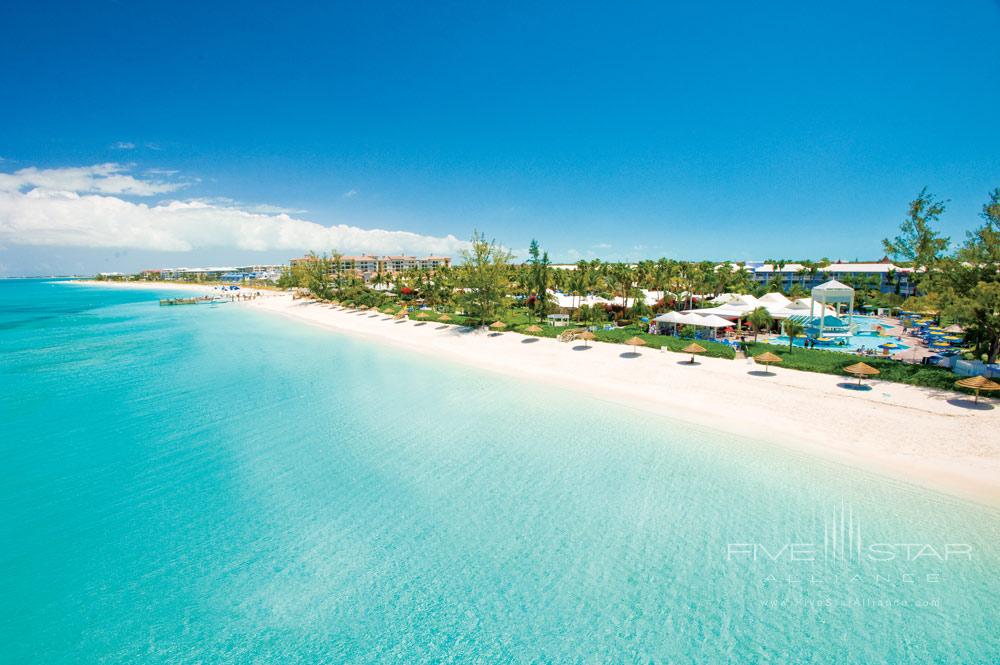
x=619, y=130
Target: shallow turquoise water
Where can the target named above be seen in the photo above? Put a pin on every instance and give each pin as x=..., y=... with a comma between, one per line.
x=205, y=484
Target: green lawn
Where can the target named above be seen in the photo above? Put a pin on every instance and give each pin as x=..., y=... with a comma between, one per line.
x=834, y=362
x=517, y=320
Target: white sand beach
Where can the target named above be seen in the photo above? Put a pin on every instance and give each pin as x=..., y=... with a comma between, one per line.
x=918, y=435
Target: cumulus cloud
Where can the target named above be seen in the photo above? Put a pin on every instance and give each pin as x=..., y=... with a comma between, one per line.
x=76, y=208
x=124, y=145
x=99, y=178
x=349, y=194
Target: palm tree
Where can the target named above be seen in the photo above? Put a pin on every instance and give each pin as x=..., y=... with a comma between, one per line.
x=578, y=282
x=793, y=329
x=759, y=318
x=621, y=278
x=797, y=291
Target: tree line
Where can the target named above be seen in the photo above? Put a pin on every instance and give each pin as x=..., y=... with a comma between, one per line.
x=960, y=284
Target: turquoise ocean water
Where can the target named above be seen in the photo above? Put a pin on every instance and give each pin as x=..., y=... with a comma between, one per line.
x=198, y=484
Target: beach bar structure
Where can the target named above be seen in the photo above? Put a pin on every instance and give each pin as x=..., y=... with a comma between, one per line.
x=826, y=293
x=679, y=319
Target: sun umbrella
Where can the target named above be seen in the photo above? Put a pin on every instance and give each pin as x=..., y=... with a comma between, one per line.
x=586, y=336
x=533, y=329
x=978, y=383
x=635, y=342
x=444, y=317
x=387, y=310
x=861, y=370
x=422, y=315
x=373, y=308
x=824, y=340
x=766, y=359
x=693, y=349
x=498, y=325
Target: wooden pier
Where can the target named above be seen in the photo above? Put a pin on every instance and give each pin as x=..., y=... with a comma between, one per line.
x=205, y=300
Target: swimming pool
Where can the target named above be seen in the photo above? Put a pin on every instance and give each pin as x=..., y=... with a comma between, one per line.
x=867, y=338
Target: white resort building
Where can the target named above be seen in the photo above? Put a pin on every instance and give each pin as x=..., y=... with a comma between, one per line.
x=367, y=266
x=882, y=275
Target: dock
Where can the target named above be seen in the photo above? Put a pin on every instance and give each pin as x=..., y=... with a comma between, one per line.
x=205, y=300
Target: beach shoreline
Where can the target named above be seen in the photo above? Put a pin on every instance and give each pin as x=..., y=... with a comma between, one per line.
x=907, y=433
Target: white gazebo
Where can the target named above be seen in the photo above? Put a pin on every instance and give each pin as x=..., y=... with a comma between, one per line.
x=832, y=292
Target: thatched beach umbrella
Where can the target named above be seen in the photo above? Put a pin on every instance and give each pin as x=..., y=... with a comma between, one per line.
x=423, y=315
x=766, y=359
x=635, y=343
x=693, y=349
x=373, y=308
x=387, y=310
x=586, y=336
x=861, y=370
x=444, y=317
x=498, y=326
x=978, y=383
x=533, y=329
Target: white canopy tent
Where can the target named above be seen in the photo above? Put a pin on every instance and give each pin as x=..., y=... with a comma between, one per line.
x=688, y=319
x=673, y=317
x=832, y=292
x=777, y=305
x=711, y=321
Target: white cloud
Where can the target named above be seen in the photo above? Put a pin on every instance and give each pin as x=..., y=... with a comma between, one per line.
x=349, y=194
x=75, y=208
x=99, y=178
x=124, y=145
x=266, y=208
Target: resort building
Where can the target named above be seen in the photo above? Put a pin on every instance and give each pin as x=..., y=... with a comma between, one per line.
x=882, y=275
x=820, y=314
x=737, y=306
x=367, y=266
x=261, y=272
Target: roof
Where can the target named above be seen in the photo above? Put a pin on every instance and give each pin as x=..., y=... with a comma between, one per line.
x=829, y=321
x=774, y=297
x=712, y=321
x=788, y=267
x=833, y=288
x=864, y=267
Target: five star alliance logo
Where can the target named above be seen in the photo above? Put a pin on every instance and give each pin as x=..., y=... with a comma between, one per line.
x=842, y=541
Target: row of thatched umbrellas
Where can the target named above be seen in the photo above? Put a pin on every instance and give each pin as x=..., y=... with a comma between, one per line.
x=975, y=383
x=857, y=370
